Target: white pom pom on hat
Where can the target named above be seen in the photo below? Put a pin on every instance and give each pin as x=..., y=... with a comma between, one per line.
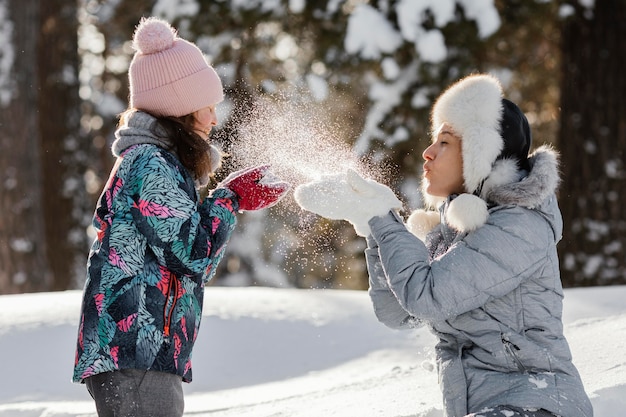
x=168, y=75
x=421, y=222
x=467, y=212
x=153, y=35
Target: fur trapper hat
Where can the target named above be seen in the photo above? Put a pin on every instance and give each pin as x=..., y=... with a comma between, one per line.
x=495, y=141
x=491, y=127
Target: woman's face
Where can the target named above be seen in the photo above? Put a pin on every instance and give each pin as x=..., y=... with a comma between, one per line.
x=205, y=119
x=443, y=169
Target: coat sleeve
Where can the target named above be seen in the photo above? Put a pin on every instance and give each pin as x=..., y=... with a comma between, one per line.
x=386, y=306
x=186, y=237
x=486, y=264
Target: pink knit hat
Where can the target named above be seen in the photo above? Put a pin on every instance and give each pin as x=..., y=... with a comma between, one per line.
x=168, y=75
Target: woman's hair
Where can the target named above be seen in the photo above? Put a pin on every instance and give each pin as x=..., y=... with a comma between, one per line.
x=192, y=150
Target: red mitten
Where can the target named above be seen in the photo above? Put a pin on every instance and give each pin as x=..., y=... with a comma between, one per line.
x=256, y=188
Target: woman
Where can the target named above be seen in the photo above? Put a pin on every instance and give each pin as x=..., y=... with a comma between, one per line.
x=484, y=272
x=157, y=243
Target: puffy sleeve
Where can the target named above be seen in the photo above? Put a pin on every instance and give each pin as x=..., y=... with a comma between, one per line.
x=186, y=236
x=386, y=306
x=486, y=264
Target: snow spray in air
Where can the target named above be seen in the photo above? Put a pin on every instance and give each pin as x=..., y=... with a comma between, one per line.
x=298, y=141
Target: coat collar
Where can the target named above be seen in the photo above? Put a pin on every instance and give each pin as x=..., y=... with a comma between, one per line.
x=531, y=190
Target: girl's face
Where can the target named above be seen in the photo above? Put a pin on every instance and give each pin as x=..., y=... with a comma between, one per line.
x=205, y=119
x=443, y=169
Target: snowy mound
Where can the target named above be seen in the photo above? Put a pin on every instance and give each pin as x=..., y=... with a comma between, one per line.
x=287, y=352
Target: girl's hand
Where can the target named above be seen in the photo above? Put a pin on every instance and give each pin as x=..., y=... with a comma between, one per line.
x=256, y=188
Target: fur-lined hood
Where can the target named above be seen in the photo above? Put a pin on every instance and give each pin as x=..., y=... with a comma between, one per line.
x=506, y=185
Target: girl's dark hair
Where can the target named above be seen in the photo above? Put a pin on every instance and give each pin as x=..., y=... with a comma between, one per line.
x=191, y=148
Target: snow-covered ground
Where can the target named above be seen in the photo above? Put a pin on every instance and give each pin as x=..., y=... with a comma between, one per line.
x=287, y=352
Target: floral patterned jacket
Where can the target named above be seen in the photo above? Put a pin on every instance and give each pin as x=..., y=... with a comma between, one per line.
x=157, y=246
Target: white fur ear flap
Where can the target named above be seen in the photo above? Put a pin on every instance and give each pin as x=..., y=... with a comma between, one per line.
x=467, y=212
x=420, y=222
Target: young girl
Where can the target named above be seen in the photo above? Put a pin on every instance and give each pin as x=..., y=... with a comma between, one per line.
x=157, y=244
x=484, y=272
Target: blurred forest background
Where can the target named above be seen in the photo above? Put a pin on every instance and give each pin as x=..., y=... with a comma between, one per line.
x=367, y=70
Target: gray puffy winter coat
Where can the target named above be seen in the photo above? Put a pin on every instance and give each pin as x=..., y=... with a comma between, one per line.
x=492, y=296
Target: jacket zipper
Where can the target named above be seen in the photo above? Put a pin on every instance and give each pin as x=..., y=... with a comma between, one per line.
x=168, y=311
x=510, y=348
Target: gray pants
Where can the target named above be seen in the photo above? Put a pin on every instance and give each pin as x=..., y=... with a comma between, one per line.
x=510, y=411
x=137, y=393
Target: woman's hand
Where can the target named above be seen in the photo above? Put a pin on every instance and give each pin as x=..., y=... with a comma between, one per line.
x=347, y=196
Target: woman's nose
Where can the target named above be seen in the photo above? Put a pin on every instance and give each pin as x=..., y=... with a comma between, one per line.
x=428, y=153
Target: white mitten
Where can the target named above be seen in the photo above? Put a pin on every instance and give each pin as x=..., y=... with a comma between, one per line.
x=347, y=196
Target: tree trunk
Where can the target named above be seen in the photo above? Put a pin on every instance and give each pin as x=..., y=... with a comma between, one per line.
x=592, y=142
x=23, y=265
x=63, y=153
